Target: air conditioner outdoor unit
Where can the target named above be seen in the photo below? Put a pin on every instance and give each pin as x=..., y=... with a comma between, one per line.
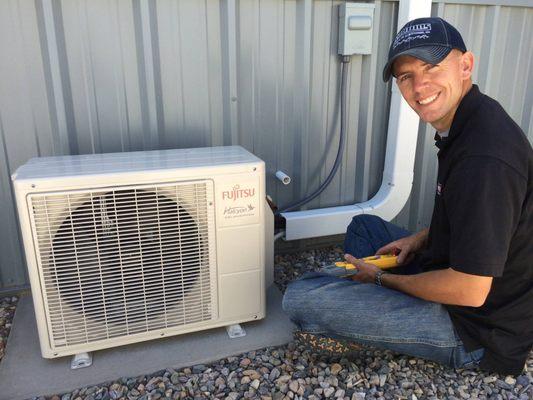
x=128, y=247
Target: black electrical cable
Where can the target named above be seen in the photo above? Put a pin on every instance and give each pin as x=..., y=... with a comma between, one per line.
x=299, y=203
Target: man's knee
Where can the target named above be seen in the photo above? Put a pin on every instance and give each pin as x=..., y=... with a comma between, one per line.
x=360, y=239
x=302, y=295
x=363, y=220
x=296, y=293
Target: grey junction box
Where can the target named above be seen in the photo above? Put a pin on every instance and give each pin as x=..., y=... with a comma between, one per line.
x=356, y=22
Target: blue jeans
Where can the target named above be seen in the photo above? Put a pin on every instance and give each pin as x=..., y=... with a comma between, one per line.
x=325, y=304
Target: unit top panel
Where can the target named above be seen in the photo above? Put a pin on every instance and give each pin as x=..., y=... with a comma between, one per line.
x=113, y=163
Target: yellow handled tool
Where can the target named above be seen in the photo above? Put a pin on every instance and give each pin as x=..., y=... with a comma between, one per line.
x=385, y=261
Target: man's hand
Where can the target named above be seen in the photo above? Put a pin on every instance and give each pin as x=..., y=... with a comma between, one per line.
x=445, y=286
x=366, y=273
x=405, y=247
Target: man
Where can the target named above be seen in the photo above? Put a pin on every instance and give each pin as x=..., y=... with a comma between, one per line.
x=464, y=294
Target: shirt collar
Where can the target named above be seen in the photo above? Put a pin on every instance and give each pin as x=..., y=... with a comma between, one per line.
x=469, y=103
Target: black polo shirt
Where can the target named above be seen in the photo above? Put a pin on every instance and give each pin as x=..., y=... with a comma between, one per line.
x=482, y=224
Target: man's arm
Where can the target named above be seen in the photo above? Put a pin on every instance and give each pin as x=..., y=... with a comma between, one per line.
x=445, y=286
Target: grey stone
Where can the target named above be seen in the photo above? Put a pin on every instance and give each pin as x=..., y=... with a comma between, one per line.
x=385, y=369
x=274, y=374
x=407, y=385
x=115, y=391
x=503, y=385
x=255, y=384
x=300, y=375
x=293, y=386
x=487, y=389
x=198, y=369
x=522, y=380
x=374, y=380
x=175, y=378
x=233, y=396
x=490, y=379
x=263, y=391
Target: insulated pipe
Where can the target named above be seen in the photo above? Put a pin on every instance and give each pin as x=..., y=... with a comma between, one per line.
x=398, y=170
x=283, y=177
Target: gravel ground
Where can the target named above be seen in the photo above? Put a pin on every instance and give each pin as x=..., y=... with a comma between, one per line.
x=7, y=310
x=293, y=372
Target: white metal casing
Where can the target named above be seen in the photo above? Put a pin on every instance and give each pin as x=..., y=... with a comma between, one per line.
x=234, y=250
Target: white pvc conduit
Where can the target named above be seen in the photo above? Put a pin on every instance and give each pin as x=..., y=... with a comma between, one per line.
x=399, y=163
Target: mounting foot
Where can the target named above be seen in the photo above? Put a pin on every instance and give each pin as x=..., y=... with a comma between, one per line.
x=235, y=331
x=81, y=360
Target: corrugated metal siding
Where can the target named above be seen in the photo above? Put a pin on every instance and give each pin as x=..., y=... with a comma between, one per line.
x=100, y=76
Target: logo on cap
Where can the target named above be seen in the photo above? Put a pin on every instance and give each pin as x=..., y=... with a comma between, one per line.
x=412, y=32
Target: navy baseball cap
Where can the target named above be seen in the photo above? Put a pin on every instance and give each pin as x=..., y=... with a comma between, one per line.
x=428, y=39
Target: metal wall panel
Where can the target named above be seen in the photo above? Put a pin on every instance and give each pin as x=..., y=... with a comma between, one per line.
x=288, y=99
x=81, y=76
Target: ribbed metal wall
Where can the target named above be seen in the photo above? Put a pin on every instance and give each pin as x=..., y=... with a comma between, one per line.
x=103, y=76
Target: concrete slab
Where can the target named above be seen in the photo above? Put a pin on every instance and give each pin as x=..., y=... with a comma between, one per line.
x=24, y=373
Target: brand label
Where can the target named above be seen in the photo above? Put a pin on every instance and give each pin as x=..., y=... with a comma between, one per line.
x=237, y=193
x=238, y=211
x=413, y=32
x=238, y=201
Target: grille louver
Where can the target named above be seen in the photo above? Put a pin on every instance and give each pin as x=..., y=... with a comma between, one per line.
x=122, y=261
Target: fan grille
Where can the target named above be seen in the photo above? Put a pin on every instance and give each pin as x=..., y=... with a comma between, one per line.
x=125, y=261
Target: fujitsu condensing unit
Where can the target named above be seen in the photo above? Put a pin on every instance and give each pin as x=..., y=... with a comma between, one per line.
x=128, y=247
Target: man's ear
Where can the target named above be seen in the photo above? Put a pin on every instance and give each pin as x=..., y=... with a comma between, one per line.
x=467, y=65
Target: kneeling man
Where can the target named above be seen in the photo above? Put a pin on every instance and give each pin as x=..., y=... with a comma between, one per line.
x=464, y=294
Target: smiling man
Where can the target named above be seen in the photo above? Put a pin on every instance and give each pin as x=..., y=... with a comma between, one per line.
x=463, y=294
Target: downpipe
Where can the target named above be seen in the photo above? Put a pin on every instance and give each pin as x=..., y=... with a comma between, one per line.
x=398, y=170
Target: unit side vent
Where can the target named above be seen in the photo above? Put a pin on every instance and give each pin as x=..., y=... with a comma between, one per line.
x=122, y=261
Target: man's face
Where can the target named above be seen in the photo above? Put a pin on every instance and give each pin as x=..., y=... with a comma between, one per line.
x=434, y=91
